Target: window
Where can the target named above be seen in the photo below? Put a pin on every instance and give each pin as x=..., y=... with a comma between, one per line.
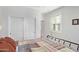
x=56, y=22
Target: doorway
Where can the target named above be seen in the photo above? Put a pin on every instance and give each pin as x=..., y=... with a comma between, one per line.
x=16, y=28
x=20, y=28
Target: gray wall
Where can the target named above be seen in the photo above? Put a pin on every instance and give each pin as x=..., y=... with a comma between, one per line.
x=69, y=32
x=25, y=12
x=3, y=23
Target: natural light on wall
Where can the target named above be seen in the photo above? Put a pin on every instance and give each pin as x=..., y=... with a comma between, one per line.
x=0, y=27
x=56, y=23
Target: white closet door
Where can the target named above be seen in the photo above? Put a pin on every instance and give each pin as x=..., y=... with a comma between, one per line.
x=16, y=28
x=29, y=29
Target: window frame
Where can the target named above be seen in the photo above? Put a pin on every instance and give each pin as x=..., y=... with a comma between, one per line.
x=54, y=24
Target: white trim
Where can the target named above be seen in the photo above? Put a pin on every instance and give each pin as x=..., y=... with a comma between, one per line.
x=9, y=22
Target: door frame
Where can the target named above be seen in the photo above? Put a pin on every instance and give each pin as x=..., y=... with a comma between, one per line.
x=34, y=27
x=9, y=30
x=9, y=22
x=9, y=25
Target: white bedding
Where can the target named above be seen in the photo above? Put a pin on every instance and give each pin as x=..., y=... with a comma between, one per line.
x=46, y=47
x=66, y=49
x=40, y=49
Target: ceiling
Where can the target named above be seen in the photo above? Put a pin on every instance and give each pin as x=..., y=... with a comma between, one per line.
x=44, y=9
x=27, y=11
x=41, y=9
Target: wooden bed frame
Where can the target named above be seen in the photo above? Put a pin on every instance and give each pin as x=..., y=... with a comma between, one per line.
x=7, y=44
x=64, y=41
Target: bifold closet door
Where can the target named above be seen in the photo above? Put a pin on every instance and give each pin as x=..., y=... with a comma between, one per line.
x=16, y=28
x=29, y=29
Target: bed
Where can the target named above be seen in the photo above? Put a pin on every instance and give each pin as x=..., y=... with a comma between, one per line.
x=52, y=47
x=45, y=46
x=66, y=46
